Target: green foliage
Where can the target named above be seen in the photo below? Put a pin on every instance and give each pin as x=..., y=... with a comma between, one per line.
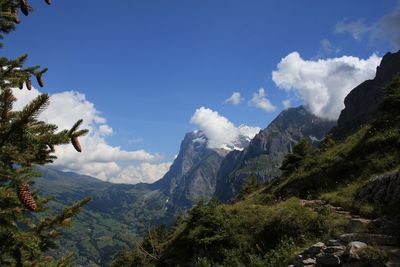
x=242, y=234
x=250, y=185
x=281, y=255
x=294, y=160
x=24, y=142
x=373, y=255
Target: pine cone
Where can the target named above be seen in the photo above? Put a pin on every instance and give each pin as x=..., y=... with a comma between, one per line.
x=15, y=17
x=20, y=86
x=29, y=84
x=26, y=197
x=24, y=7
x=76, y=144
x=52, y=149
x=48, y=2
x=40, y=81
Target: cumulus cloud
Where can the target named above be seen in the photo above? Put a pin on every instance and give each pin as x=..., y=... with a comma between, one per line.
x=323, y=83
x=286, y=103
x=260, y=100
x=143, y=173
x=234, y=99
x=99, y=159
x=218, y=129
x=385, y=29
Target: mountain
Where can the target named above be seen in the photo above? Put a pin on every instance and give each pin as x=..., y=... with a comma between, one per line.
x=263, y=156
x=362, y=102
x=193, y=173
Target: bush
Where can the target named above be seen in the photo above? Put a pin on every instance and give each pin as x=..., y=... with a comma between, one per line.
x=373, y=255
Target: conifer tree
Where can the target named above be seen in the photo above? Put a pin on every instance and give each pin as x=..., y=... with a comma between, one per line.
x=293, y=160
x=25, y=141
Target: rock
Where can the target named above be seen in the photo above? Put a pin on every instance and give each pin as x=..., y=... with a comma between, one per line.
x=383, y=190
x=315, y=249
x=353, y=248
x=373, y=239
x=336, y=250
x=309, y=261
x=328, y=260
x=333, y=242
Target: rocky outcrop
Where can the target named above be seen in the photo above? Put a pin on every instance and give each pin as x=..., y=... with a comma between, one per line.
x=383, y=191
x=263, y=156
x=193, y=174
x=362, y=102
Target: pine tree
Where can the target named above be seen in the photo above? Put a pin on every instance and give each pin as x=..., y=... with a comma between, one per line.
x=293, y=160
x=25, y=141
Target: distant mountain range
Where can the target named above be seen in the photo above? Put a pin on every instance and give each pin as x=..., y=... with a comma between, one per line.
x=118, y=212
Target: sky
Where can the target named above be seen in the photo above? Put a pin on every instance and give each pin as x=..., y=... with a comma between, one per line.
x=143, y=73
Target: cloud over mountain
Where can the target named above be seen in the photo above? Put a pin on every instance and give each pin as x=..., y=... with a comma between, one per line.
x=218, y=129
x=324, y=83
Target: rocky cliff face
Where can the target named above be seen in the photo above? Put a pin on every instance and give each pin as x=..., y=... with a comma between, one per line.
x=263, y=156
x=362, y=102
x=193, y=174
x=383, y=191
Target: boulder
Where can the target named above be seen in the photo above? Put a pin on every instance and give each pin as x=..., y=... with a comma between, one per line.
x=336, y=250
x=382, y=190
x=328, y=260
x=315, y=249
x=353, y=248
x=309, y=261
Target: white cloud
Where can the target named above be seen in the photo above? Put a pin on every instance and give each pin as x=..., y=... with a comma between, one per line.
x=324, y=83
x=105, y=130
x=385, y=29
x=286, y=103
x=248, y=131
x=234, y=99
x=218, y=129
x=143, y=173
x=356, y=28
x=259, y=100
x=98, y=159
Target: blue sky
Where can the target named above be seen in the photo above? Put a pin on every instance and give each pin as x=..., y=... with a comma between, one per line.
x=148, y=65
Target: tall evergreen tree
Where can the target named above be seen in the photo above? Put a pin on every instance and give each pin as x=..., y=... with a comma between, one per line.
x=25, y=141
x=300, y=152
